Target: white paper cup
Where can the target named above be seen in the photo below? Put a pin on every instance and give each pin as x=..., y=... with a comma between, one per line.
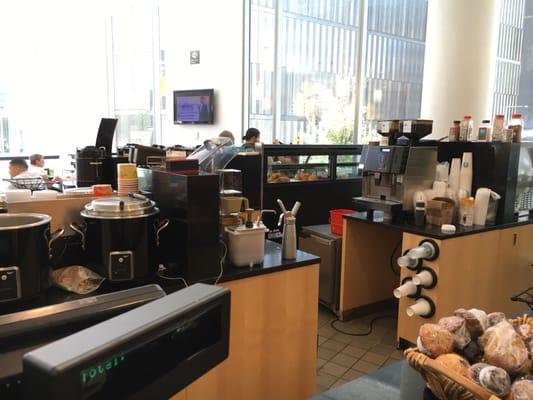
x=18, y=195
x=406, y=262
x=421, y=308
x=423, y=278
x=407, y=289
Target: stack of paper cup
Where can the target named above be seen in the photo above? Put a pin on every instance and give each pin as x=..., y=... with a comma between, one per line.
x=127, y=180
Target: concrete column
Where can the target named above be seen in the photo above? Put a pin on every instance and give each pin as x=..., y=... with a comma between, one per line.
x=459, y=64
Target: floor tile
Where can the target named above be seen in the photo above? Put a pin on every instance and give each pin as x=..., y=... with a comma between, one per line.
x=320, y=389
x=341, y=337
x=374, y=358
x=334, y=369
x=383, y=349
x=325, y=380
x=321, y=339
x=327, y=331
x=363, y=342
x=333, y=345
x=397, y=355
x=365, y=367
x=389, y=362
x=353, y=351
x=352, y=374
x=325, y=354
x=320, y=363
x=344, y=360
x=339, y=383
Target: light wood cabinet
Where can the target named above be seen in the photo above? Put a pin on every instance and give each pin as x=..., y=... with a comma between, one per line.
x=480, y=270
x=273, y=340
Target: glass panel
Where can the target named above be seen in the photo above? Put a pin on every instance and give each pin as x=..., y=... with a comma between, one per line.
x=297, y=168
x=348, y=158
x=262, y=41
x=513, y=89
x=317, y=54
x=394, y=62
x=347, y=172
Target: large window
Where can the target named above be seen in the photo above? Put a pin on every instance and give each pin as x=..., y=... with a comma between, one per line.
x=513, y=89
x=310, y=79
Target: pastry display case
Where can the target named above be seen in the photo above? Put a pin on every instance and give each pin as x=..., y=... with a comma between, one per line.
x=322, y=177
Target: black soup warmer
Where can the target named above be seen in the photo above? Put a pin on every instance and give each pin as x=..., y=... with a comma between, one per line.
x=121, y=237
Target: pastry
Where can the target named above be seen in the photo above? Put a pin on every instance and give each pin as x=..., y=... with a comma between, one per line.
x=455, y=363
x=522, y=390
x=504, y=348
x=495, y=317
x=474, y=370
x=495, y=380
x=472, y=352
x=476, y=321
x=435, y=340
x=457, y=327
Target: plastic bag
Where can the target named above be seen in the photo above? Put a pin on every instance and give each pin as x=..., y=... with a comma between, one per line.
x=504, y=347
x=77, y=279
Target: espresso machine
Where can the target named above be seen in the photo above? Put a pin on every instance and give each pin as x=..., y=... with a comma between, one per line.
x=392, y=173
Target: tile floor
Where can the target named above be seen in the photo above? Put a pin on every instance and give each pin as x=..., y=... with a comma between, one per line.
x=342, y=358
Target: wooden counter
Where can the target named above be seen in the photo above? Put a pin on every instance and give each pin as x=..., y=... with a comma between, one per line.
x=481, y=268
x=273, y=340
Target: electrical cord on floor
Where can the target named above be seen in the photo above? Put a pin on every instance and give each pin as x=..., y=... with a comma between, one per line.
x=391, y=262
x=222, y=260
x=370, y=328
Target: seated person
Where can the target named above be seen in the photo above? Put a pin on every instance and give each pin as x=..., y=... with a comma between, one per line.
x=251, y=137
x=18, y=169
x=37, y=167
x=228, y=135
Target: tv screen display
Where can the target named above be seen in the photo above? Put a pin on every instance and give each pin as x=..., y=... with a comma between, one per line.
x=193, y=106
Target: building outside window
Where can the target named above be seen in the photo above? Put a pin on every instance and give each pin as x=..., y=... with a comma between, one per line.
x=305, y=58
x=514, y=62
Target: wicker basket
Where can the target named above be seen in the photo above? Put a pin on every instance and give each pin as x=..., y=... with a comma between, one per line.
x=446, y=384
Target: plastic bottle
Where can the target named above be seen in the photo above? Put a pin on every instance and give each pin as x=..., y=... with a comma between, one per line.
x=467, y=127
x=516, y=125
x=485, y=131
x=497, y=129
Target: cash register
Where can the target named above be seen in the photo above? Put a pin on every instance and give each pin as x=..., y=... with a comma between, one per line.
x=150, y=352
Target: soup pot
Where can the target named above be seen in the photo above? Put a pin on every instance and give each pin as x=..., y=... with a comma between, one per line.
x=25, y=254
x=120, y=237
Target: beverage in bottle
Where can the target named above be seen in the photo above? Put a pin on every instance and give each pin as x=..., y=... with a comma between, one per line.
x=466, y=129
x=497, y=129
x=485, y=131
x=516, y=125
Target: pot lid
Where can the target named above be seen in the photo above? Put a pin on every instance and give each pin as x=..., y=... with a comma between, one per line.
x=120, y=207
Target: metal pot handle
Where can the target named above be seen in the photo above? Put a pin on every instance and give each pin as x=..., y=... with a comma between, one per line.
x=53, y=237
x=81, y=230
x=160, y=226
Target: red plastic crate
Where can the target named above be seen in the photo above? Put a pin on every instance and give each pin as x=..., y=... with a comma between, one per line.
x=335, y=218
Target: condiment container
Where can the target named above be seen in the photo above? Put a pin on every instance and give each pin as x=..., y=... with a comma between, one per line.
x=485, y=131
x=246, y=245
x=507, y=135
x=516, y=125
x=466, y=211
x=455, y=130
x=466, y=129
x=497, y=129
x=420, y=213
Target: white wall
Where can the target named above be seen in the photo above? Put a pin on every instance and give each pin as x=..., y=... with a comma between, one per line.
x=216, y=29
x=459, y=65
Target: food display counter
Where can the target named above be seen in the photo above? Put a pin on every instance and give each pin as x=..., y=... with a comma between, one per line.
x=322, y=177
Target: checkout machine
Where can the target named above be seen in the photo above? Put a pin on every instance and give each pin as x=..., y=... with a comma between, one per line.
x=153, y=345
x=394, y=170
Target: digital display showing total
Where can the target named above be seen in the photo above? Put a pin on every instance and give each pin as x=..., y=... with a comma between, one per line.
x=123, y=374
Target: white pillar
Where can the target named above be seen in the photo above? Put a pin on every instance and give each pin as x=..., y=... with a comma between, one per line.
x=461, y=44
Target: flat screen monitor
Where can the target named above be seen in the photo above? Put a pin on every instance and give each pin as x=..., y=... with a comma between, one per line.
x=194, y=106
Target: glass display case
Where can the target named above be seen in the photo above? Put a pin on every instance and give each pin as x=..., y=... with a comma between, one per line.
x=311, y=163
x=298, y=168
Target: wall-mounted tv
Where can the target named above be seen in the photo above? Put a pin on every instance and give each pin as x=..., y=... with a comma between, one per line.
x=194, y=106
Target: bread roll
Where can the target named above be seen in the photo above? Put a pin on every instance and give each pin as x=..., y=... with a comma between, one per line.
x=495, y=318
x=522, y=390
x=472, y=352
x=435, y=340
x=504, y=348
x=474, y=370
x=476, y=321
x=457, y=327
x=495, y=380
x=455, y=363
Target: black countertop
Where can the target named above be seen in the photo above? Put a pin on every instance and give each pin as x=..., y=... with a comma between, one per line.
x=435, y=231
x=395, y=382
x=272, y=263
